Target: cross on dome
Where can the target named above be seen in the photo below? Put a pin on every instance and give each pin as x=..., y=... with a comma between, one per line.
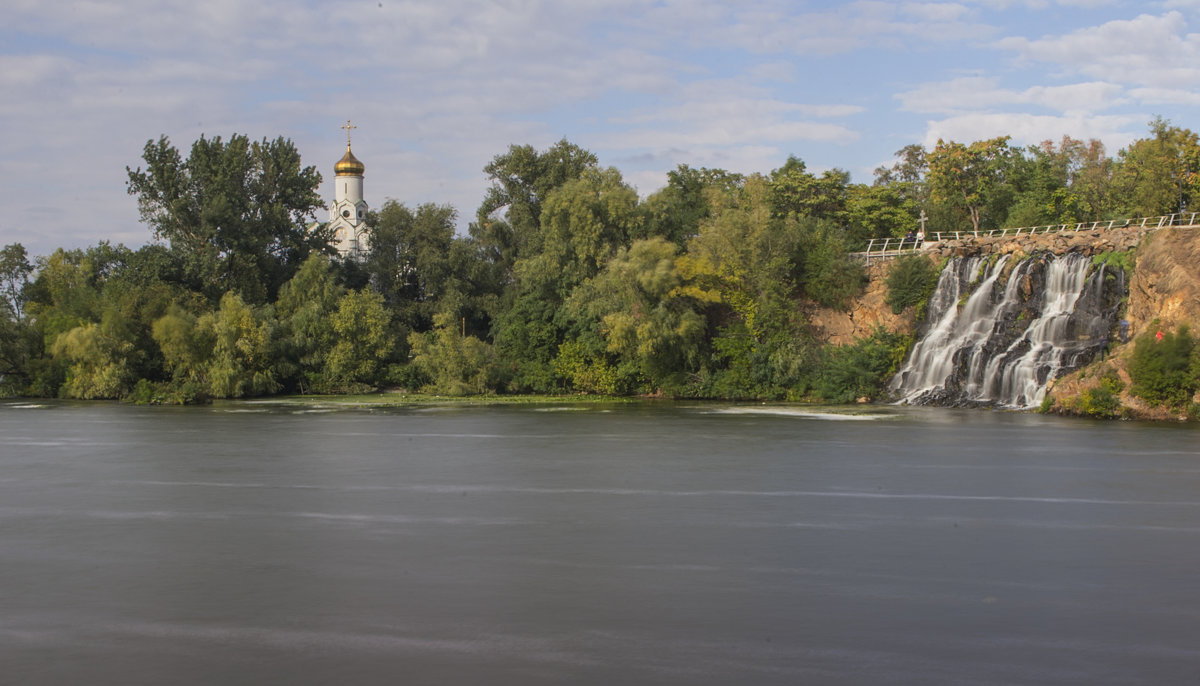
x=347, y=126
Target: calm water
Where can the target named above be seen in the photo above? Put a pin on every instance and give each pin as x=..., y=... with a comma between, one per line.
x=256, y=544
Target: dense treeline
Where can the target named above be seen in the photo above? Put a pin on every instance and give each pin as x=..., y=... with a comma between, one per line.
x=567, y=281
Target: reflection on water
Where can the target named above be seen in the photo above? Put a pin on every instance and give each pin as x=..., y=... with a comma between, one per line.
x=667, y=544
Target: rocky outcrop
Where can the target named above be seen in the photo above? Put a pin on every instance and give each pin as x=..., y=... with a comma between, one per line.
x=866, y=313
x=1090, y=242
x=1165, y=287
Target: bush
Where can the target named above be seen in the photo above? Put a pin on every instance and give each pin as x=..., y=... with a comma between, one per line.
x=828, y=274
x=862, y=368
x=1114, y=260
x=1167, y=371
x=910, y=282
x=455, y=364
x=167, y=393
x=1104, y=400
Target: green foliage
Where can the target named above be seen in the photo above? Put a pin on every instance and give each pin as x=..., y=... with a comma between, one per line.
x=794, y=191
x=305, y=309
x=420, y=267
x=146, y=392
x=828, y=274
x=567, y=280
x=676, y=211
x=237, y=210
x=455, y=364
x=1160, y=174
x=969, y=180
x=880, y=211
x=910, y=281
x=584, y=221
x=508, y=222
x=1115, y=260
x=226, y=354
x=98, y=359
x=240, y=363
x=1165, y=372
x=861, y=369
x=362, y=329
x=638, y=310
x=1104, y=400
x=587, y=373
x=15, y=271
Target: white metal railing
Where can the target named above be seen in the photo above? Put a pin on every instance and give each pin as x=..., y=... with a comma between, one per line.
x=886, y=248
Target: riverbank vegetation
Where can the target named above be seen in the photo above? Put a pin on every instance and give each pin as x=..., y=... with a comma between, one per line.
x=567, y=281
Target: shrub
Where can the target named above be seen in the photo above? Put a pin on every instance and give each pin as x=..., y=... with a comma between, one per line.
x=1103, y=400
x=1115, y=259
x=862, y=368
x=1166, y=371
x=828, y=274
x=910, y=282
x=455, y=364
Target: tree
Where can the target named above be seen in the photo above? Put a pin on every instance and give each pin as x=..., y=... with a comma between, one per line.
x=456, y=364
x=305, y=308
x=1161, y=174
x=748, y=260
x=644, y=316
x=796, y=191
x=1165, y=367
x=361, y=326
x=17, y=335
x=969, y=179
x=584, y=221
x=99, y=361
x=226, y=354
x=238, y=210
x=675, y=211
x=508, y=221
x=15, y=271
x=879, y=211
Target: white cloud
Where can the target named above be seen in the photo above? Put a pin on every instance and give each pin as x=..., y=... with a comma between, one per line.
x=1166, y=96
x=1028, y=129
x=935, y=11
x=439, y=88
x=969, y=94
x=1146, y=50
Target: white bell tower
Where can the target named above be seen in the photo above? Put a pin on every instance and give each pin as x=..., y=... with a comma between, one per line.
x=348, y=214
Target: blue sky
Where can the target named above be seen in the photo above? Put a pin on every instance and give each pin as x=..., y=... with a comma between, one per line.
x=438, y=88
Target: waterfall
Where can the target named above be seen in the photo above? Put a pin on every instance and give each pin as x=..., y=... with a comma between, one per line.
x=999, y=337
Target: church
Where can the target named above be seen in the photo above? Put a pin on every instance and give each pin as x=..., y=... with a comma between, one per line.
x=348, y=214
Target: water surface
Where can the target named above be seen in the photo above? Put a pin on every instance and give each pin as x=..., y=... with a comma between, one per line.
x=254, y=543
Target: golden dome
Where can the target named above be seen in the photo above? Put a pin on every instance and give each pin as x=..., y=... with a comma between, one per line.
x=349, y=165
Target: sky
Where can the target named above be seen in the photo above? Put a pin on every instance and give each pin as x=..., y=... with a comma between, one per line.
x=438, y=88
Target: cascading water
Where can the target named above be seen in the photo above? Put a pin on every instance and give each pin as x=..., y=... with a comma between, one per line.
x=998, y=336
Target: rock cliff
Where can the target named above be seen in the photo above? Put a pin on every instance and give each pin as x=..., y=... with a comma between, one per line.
x=1165, y=286
x=867, y=312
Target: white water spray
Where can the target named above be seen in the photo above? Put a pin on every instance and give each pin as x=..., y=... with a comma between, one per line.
x=1005, y=343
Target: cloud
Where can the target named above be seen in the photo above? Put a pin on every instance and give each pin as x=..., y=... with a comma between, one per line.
x=775, y=27
x=439, y=88
x=1146, y=50
x=1166, y=96
x=1029, y=129
x=981, y=93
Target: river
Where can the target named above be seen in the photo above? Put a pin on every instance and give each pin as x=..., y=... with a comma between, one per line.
x=258, y=543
